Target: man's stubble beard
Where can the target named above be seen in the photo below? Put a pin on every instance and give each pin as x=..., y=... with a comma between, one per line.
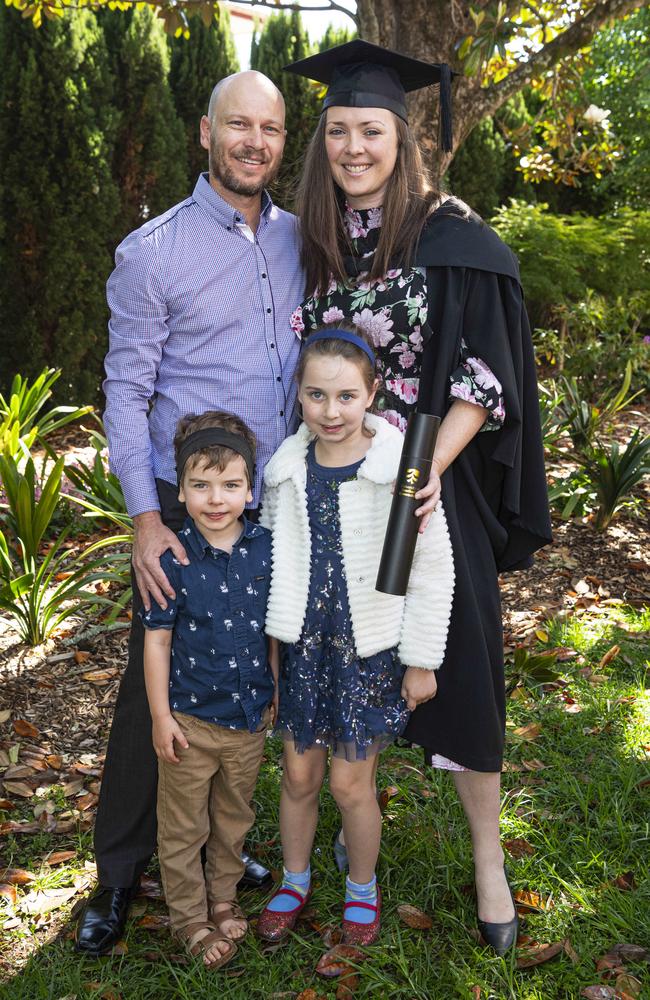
x=228, y=179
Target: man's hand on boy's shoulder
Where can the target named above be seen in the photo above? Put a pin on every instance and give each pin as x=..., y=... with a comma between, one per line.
x=165, y=730
x=151, y=538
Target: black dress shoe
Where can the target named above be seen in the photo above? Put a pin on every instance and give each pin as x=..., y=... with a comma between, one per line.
x=500, y=937
x=103, y=919
x=255, y=876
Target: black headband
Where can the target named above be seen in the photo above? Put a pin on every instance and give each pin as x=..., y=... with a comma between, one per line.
x=214, y=436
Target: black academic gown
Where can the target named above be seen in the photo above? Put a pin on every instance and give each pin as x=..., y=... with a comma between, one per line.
x=494, y=493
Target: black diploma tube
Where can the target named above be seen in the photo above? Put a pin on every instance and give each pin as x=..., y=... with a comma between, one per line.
x=402, y=528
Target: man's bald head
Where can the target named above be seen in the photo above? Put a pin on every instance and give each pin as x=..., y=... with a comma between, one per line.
x=244, y=134
x=238, y=85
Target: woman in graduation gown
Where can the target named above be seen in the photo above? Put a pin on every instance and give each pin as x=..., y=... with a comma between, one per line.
x=439, y=295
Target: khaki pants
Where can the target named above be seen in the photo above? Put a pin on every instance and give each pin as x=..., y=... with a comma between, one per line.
x=206, y=799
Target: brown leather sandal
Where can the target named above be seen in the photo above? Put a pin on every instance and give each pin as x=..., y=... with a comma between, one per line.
x=234, y=912
x=198, y=946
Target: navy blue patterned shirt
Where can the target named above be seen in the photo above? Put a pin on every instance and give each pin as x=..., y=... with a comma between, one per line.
x=219, y=664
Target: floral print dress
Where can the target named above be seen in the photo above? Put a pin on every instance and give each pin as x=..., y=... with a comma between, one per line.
x=392, y=311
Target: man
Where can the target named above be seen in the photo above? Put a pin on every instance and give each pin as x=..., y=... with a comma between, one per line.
x=200, y=303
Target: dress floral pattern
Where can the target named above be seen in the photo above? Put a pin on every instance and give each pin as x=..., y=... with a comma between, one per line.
x=392, y=310
x=330, y=696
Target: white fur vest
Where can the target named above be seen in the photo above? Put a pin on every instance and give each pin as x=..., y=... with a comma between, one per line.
x=418, y=623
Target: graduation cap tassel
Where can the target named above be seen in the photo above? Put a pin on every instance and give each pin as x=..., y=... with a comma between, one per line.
x=446, y=124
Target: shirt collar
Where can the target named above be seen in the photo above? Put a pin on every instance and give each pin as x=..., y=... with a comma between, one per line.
x=215, y=205
x=193, y=538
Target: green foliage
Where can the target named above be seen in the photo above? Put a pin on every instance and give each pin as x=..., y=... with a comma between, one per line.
x=284, y=40
x=99, y=488
x=582, y=417
x=335, y=36
x=616, y=78
x=552, y=421
x=615, y=473
x=21, y=420
x=587, y=284
x=197, y=64
x=57, y=198
x=531, y=669
x=150, y=162
x=39, y=587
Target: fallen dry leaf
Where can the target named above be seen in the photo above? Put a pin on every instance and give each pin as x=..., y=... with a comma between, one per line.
x=625, y=882
x=347, y=986
x=58, y=857
x=386, y=795
x=16, y=876
x=631, y=952
x=5, y=715
x=54, y=760
x=154, y=922
x=518, y=847
x=476, y=993
x=72, y=787
x=611, y=653
x=80, y=656
x=626, y=983
x=534, y=765
x=599, y=993
x=307, y=994
x=47, y=900
x=18, y=788
x=413, y=917
x=24, y=728
x=527, y=900
x=8, y=891
x=150, y=888
x=337, y=960
x=609, y=961
x=537, y=954
x=570, y=951
x=7, y=805
x=528, y=732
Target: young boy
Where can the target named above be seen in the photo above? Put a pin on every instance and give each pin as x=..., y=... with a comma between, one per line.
x=211, y=684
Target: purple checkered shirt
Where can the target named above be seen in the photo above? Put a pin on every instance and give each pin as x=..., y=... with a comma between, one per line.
x=199, y=321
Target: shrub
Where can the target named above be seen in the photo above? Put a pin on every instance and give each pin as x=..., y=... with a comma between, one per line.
x=21, y=420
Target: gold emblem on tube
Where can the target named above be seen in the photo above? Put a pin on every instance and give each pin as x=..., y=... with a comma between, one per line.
x=410, y=485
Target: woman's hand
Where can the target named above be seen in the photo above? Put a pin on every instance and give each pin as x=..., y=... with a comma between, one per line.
x=418, y=685
x=165, y=731
x=430, y=494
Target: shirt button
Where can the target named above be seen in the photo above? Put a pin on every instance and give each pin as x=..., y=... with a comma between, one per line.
x=362, y=579
x=281, y=413
x=272, y=345
x=268, y=310
x=263, y=274
x=278, y=378
x=358, y=531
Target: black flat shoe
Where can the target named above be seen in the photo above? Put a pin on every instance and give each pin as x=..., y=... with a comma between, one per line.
x=102, y=921
x=500, y=937
x=255, y=876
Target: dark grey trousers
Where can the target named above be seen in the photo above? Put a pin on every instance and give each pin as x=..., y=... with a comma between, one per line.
x=125, y=828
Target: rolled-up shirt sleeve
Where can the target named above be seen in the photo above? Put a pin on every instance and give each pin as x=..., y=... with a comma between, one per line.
x=476, y=383
x=138, y=330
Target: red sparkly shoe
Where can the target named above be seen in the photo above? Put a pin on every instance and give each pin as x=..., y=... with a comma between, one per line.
x=362, y=934
x=273, y=925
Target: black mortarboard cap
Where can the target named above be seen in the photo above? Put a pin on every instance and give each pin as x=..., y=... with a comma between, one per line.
x=362, y=75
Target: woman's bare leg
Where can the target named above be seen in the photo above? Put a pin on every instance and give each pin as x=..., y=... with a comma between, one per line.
x=480, y=794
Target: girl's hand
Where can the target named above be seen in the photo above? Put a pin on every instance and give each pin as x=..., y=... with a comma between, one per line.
x=165, y=731
x=275, y=704
x=430, y=494
x=418, y=685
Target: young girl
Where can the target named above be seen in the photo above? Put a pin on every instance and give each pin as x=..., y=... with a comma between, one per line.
x=355, y=661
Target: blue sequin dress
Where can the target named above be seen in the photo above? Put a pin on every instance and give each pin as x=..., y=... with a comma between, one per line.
x=329, y=696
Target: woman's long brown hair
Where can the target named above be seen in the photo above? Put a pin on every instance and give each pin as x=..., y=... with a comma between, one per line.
x=410, y=197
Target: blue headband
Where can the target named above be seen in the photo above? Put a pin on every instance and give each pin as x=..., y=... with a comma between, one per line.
x=348, y=336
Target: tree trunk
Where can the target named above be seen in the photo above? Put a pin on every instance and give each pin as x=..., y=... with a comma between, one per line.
x=431, y=29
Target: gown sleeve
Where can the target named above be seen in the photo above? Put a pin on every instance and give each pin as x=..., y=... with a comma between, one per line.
x=485, y=311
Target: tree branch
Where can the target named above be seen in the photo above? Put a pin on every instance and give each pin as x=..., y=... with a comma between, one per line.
x=579, y=34
x=187, y=5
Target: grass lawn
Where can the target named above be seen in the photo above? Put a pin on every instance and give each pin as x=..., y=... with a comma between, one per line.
x=576, y=824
